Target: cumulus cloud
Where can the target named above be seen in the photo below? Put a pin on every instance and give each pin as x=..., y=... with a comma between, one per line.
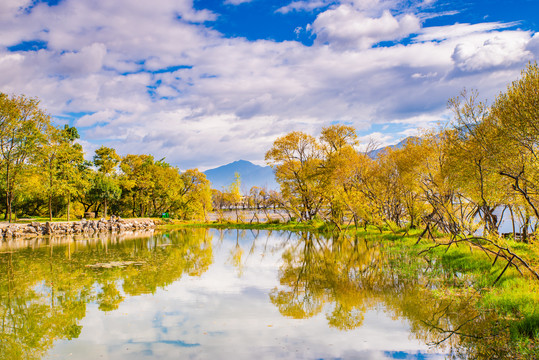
x=346, y=27
x=498, y=50
x=533, y=45
x=153, y=78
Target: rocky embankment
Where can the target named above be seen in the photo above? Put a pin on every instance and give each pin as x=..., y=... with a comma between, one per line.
x=82, y=227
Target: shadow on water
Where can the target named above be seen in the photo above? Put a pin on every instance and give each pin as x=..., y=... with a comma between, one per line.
x=45, y=285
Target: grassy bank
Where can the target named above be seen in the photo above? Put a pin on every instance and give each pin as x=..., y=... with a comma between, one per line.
x=466, y=269
x=513, y=297
x=274, y=225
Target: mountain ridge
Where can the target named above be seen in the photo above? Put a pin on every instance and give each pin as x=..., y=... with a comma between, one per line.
x=263, y=176
x=250, y=175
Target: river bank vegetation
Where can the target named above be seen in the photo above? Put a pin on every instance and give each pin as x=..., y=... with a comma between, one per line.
x=43, y=173
x=442, y=196
x=461, y=180
x=439, y=199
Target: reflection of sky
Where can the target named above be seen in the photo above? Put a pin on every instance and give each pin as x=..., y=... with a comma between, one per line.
x=222, y=316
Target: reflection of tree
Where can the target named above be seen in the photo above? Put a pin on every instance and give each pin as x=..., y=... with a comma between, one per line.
x=348, y=276
x=236, y=253
x=44, y=292
x=319, y=271
x=110, y=297
x=32, y=318
x=167, y=260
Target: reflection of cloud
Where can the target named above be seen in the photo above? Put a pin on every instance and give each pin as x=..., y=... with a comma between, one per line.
x=218, y=315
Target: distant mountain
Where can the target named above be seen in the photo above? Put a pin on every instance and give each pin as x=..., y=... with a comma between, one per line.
x=373, y=154
x=263, y=176
x=250, y=175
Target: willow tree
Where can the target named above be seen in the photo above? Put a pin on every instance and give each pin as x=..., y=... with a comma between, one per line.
x=398, y=174
x=195, y=195
x=515, y=118
x=22, y=134
x=470, y=157
x=296, y=158
x=437, y=185
x=337, y=143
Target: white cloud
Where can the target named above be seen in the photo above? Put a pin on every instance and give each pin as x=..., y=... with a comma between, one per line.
x=498, y=50
x=237, y=2
x=440, y=33
x=95, y=118
x=348, y=28
x=159, y=82
x=10, y=8
x=86, y=61
x=303, y=6
x=533, y=45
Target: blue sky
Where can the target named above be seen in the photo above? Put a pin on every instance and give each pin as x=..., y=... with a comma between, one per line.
x=208, y=82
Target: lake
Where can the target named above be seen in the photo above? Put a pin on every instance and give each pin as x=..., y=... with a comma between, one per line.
x=220, y=294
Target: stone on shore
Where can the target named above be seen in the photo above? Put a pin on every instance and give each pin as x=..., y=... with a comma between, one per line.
x=115, y=224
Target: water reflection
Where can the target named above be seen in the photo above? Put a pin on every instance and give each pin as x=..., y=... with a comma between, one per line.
x=350, y=276
x=218, y=294
x=44, y=291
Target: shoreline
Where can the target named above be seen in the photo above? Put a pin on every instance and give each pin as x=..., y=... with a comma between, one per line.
x=79, y=227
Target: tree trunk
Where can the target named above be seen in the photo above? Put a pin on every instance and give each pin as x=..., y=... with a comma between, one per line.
x=9, y=206
x=134, y=205
x=50, y=189
x=50, y=207
x=8, y=194
x=68, y=206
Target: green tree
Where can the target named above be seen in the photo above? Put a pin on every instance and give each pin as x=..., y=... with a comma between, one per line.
x=22, y=134
x=106, y=186
x=62, y=159
x=106, y=160
x=137, y=181
x=105, y=189
x=196, y=195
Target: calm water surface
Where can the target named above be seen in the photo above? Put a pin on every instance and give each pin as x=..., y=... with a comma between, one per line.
x=209, y=294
